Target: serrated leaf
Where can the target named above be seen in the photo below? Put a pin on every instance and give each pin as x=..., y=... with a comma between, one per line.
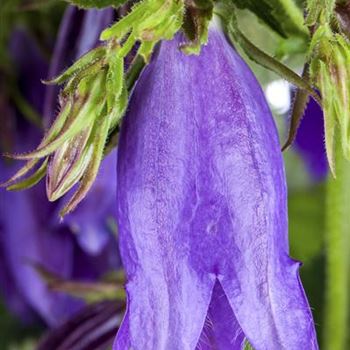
x=87, y=4
x=298, y=109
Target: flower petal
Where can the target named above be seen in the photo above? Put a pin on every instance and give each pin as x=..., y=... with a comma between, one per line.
x=221, y=329
x=202, y=196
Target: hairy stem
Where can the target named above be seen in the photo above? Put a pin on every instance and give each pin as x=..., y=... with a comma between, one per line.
x=338, y=256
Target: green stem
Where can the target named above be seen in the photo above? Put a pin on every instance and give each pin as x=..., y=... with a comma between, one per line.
x=336, y=315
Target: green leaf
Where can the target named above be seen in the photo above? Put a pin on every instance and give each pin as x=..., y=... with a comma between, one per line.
x=268, y=62
x=86, y=4
x=283, y=16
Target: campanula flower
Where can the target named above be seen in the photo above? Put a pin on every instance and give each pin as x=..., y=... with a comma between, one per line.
x=202, y=210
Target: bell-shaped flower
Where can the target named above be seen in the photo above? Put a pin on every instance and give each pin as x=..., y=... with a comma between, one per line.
x=202, y=210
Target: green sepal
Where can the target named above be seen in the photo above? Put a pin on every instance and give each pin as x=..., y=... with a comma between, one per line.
x=329, y=114
x=196, y=24
x=68, y=164
x=247, y=346
x=88, y=4
x=119, y=108
x=148, y=22
x=30, y=181
x=86, y=72
x=115, y=79
x=298, y=109
x=82, y=114
x=92, y=170
x=299, y=106
x=51, y=134
x=130, y=79
x=330, y=70
x=151, y=19
x=122, y=27
x=145, y=50
x=84, y=62
x=319, y=11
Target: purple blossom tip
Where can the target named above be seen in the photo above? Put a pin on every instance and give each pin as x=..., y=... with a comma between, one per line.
x=309, y=141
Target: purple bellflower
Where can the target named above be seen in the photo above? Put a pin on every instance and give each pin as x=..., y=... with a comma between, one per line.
x=309, y=141
x=202, y=211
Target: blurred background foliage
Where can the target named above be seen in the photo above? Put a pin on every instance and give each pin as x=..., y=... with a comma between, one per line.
x=41, y=19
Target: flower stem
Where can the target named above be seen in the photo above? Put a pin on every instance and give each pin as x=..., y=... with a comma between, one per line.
x=338, y=256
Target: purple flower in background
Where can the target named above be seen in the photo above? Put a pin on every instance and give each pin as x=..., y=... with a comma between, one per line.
x=309, y=141
x=202, y=211
x=29, y=225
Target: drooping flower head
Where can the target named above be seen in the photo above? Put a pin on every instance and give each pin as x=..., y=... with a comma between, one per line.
x=202, y=210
